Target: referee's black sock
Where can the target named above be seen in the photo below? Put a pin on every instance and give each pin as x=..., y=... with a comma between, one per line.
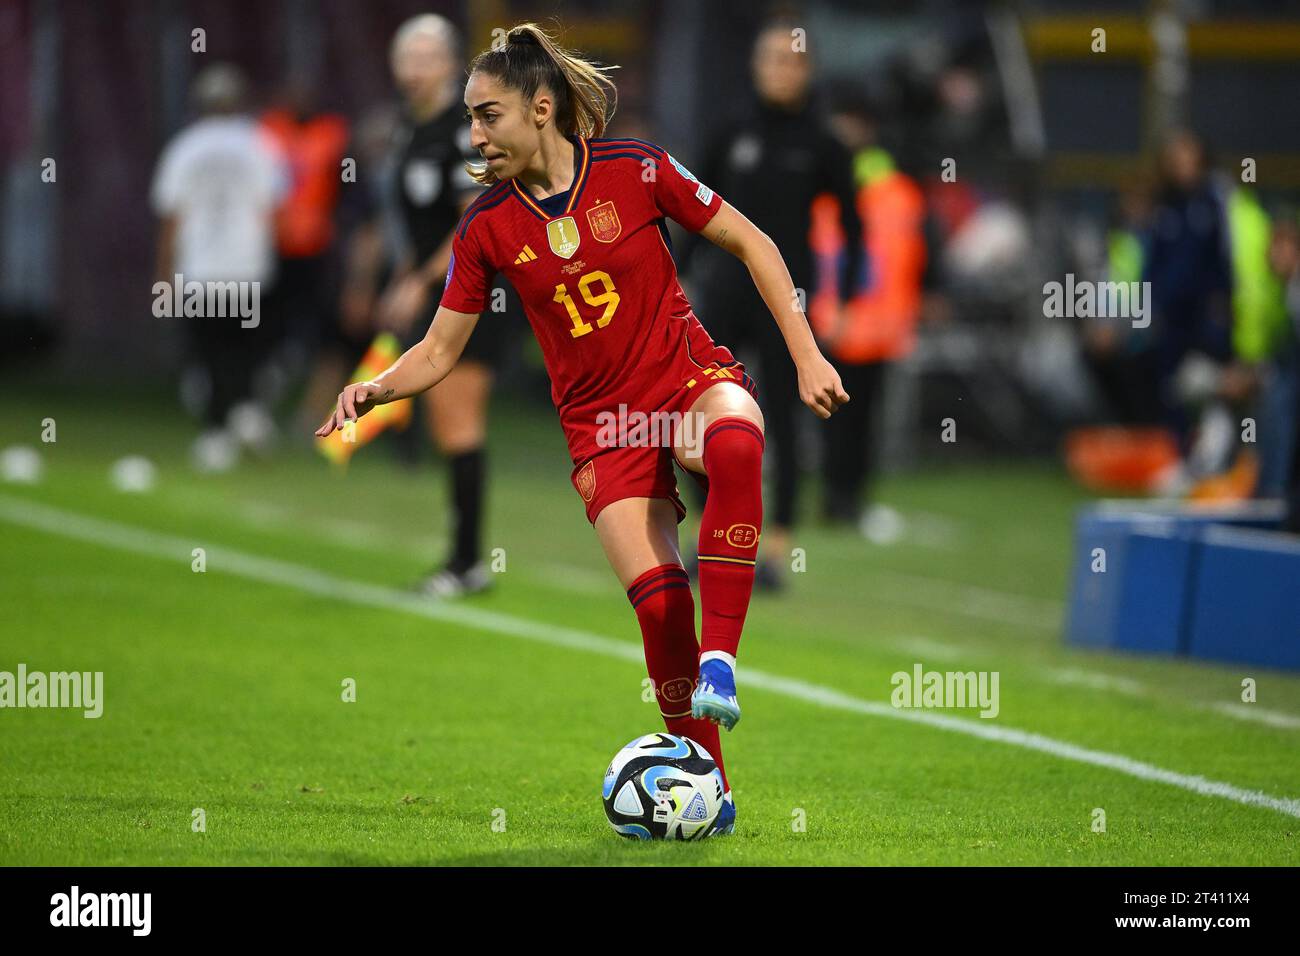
x=468, y=471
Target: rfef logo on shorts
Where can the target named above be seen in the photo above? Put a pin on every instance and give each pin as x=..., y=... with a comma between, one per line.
x=742, y=536
x=586, y=481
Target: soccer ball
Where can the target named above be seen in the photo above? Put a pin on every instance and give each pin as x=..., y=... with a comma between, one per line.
x=662, y=787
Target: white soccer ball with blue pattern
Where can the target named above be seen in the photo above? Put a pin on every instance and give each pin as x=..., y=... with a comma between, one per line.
x=662, y=787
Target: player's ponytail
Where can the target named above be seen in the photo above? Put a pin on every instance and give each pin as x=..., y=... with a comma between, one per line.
x=529, y=60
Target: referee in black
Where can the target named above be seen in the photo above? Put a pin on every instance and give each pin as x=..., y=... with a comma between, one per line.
x=432, y=188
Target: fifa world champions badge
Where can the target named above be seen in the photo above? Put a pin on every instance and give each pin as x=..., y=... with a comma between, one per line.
x=563, y=235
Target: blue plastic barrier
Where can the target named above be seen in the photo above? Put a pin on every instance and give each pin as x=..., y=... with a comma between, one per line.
x=1247, y=598
x=1146, y=600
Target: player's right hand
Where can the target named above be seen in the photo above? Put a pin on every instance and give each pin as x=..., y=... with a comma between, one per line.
x=354, y=401
x=820, y=387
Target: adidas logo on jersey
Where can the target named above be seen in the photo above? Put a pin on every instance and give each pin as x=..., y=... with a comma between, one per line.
x=526, y=256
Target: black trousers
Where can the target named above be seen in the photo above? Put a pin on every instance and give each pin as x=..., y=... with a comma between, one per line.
x=735, y=316
x=851, y=438
x=228, y=354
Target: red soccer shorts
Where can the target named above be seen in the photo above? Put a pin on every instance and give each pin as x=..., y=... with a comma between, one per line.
x=644, y=469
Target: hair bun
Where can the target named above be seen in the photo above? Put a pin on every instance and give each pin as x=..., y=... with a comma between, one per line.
x=522, y=37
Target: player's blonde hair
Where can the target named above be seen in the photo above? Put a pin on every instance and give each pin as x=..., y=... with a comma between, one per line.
x=529, y=60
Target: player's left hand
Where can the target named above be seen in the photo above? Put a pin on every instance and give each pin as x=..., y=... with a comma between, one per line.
x=820, y=387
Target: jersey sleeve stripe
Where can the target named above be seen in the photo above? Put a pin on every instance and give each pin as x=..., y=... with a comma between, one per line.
x=639, y=157
x=628, y=143
x=626, y=149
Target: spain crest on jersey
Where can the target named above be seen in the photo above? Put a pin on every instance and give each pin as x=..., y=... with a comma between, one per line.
x=586, y=481
x=563, y=235
x=604, y=223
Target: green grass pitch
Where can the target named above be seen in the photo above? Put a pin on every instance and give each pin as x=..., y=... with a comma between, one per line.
x=480, y=733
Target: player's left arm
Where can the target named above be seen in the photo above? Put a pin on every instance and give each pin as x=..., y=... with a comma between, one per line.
x=820, y=387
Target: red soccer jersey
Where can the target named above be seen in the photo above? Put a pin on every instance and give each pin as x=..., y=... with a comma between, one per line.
x=596, y=277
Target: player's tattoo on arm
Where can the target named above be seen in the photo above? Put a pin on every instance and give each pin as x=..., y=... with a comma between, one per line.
x=388, y=393
x=721, y=239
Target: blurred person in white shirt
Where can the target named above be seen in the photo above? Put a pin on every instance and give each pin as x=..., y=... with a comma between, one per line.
x=215, y=192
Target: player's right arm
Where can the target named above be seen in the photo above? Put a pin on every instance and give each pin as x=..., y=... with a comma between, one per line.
x=420, y=367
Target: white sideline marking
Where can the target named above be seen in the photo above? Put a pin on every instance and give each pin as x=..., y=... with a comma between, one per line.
x=1243, y=711
x=350, y=534
x=579, y=580
x=122, y=537
x=1121, y=685
x=1134, y=688
x=963, y=600
x=924, y=647
x=969, y=600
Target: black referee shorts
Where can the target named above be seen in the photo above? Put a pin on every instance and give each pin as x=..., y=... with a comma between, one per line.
x=489, y=344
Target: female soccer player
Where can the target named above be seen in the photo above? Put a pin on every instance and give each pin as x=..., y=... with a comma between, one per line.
x=576, y=223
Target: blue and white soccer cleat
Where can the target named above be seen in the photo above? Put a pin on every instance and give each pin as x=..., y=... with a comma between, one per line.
x=725, y=822
x=715, y=693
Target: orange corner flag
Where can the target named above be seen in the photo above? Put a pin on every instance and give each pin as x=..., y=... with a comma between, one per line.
x=339, y=446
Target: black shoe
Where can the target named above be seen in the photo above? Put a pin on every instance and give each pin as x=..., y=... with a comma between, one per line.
x=767, y=578
x=842, y=516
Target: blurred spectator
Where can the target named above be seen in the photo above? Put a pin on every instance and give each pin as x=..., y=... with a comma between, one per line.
x=956, y=141
x=1263, y=259
x=1279, y=424
x=1188, y=266
x=311, y=145
x=426, y=189
x=878, y=325
x=955, y=114
x=773, y=163
x=372, y=240
x=1118, y=355
x=215, y=191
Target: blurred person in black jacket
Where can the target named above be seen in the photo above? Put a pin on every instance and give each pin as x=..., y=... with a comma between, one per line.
x=772, y=163
x=1190, y=273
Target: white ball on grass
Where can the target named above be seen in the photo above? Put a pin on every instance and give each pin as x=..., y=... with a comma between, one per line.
x=133, y=474
x=21, y=465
